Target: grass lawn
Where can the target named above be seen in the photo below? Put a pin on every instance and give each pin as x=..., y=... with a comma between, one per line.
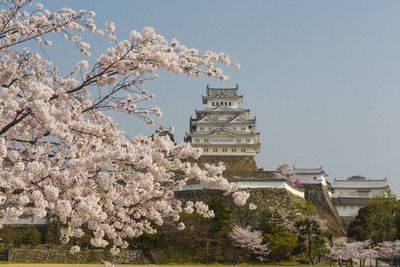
x=143, y=265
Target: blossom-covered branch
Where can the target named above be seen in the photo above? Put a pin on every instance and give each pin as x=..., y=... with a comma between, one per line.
x=61, y=156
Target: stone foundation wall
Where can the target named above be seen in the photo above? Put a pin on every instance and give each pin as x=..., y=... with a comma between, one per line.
x=40, y=255
x=347, y=220
x=318, y=195
x=244, y=166
x=275, y=198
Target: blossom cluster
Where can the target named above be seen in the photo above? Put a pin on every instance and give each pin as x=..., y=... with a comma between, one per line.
x=61, y=156
x=342, y=249
x=249, y=239
x=286, y=171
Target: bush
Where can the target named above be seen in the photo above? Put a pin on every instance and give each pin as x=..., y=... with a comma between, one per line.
x=30, y=236
x=310, y=207
x=281, y=244
x=8, y=235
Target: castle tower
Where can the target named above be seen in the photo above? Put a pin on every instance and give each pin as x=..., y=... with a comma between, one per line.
x=223, y=128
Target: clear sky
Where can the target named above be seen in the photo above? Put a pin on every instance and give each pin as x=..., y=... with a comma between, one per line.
x=321, y=77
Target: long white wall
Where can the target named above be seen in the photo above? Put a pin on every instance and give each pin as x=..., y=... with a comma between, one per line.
x=311, y=179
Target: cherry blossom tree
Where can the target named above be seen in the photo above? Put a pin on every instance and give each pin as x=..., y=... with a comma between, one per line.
x=389, y=250
x=340, y=250
x=249, y=239
x=361, y=251
x=62, y=156
x=343, y=250
x=286, y=171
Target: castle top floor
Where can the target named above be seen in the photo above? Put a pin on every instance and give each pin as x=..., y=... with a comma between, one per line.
x=222, y=97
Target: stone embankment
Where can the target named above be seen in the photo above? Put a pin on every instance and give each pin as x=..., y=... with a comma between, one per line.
x=60, y=254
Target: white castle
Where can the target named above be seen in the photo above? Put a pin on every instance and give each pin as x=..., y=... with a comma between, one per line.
x=223, y=128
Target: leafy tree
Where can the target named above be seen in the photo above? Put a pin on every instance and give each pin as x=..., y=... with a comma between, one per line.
x=223, y=215
x=8, y=235
x=378, y=221
x=270, y=221
x=29, y=236
x=310, y=236
x=147, y=242
x=281, y=244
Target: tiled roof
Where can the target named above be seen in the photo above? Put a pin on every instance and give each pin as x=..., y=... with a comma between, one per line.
x=222, y=108
x=223, y=91
x=309, y=170
x=367, y=183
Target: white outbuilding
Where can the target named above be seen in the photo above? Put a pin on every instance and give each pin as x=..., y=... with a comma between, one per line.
x=311, y=176
x=351, y=194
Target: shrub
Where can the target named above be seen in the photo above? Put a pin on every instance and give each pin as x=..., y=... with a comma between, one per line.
x=8, y=235
x=281, y=244
x=30, y=236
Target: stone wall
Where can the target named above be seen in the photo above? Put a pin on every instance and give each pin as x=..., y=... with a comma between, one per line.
x=59, y=255
x=243, y=166
x=318, y=195
x=347, y=220
x=276, y=198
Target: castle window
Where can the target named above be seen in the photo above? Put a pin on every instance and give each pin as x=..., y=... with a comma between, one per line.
x=233, y=149
x=215, y=118
x=243, y=149
x=215, y=149
x=248, y=140
x=196, y=140
x=205, y=149
x=224, y=150
x=243, y=129
x=213, y=103
x=238, y=140
x=205, y=140
x=201, y=128
x=230, y=103
x=225, y=104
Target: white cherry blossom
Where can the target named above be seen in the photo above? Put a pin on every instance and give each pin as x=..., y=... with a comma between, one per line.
x=62, y=157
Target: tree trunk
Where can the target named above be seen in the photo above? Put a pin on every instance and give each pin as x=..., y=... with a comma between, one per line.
x=310, y=250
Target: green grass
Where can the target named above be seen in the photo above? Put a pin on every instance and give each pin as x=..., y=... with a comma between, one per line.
x=148, y=265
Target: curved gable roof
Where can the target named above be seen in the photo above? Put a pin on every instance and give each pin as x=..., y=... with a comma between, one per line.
x=230, y=92
x=367, y=183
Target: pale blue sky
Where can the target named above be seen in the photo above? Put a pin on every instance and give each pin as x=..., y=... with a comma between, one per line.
x=322, y=77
